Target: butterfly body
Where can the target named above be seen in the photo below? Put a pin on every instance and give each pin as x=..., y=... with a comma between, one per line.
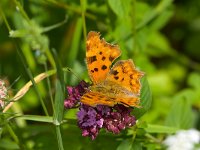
x=117, y=85
x=111, y=89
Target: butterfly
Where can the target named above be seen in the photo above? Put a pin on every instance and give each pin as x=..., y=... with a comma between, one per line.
x=119, y=84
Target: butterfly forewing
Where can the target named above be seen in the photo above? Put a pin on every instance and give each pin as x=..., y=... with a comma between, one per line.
x=99, y=56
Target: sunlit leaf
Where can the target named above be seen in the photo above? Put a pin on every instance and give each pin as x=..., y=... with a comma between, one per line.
x=120, y=8
x=181, y=114
x=160, y=129
x=194, y=80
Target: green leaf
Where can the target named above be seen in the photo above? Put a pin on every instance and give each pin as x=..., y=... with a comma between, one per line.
x=137, y=146
x=37, y=118
x=59, y=102
x=145, y=98
x=181, y=114
x=7, y=144
x=160, y=129
x=194, y=80
x=1, y=130
x=161, y=83
x=160, y=48
x=153, y=13
x=128, y=144
x=60, y=90
x=120, y=7
x=162, y=19
x=125, y=145
x=58, y=113
x=74, y=49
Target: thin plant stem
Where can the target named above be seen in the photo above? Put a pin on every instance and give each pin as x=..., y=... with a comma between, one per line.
x=59, y=138
x=28, y=71
x=134, y=24
x=162, y=5
x=50, y=58
x=14, y=136
x=49, y=87
x=5, y=20
x=134, y=132
x=20, y=8
x=83, y=19
x=153, y=138
x=65, y=6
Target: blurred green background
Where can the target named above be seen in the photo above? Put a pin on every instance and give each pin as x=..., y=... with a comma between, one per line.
x=161, y=36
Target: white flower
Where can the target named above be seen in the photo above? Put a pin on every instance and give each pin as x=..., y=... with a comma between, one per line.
x=183, y=140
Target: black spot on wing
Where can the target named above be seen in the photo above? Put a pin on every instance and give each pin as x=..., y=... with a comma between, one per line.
x=103, y=58
x=96, y=69
x=91, y=59
x=116, y=77
x=111, y=58
x=131, y=76
x=114, y=72
x=104, y=67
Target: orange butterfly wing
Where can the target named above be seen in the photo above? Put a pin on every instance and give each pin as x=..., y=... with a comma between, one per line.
x=99, y=56
x=126, y=75
x=92, y=98
x=97, y=98
x=118, y=85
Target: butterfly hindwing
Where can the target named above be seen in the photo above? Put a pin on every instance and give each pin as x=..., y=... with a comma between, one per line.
x=96, y=98
x=126, y=75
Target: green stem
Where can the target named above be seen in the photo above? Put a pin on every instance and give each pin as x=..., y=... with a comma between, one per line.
x=59, y=138
x=65, y=6
x=5, y=20
x=50, y=58
x=49, y=87
x=20, y=8
x=163, y=5
x=28, y=71
x=83, y=19
x=134, y=25
x=134, y=132
x=152, y=138
x=14, y=136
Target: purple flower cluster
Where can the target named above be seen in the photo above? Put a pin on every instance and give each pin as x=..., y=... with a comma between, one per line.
x=92, y=119
x=75, y=94
x=113, y=119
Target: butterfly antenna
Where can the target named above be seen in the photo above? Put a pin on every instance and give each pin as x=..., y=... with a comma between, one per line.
x=67, y=69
